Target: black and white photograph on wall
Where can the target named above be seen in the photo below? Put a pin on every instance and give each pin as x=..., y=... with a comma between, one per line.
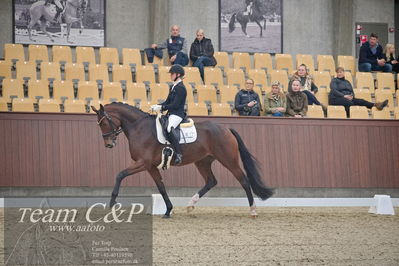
x=253, y=26
x=60, y=22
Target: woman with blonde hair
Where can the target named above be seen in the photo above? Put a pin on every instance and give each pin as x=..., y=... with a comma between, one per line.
x=390, y=58
x=275, y=101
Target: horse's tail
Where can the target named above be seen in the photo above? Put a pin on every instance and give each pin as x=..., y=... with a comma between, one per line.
x=251, y=167
x=232, y=22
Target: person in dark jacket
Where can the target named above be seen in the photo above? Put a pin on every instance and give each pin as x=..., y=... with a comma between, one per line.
x=297, y=101
x=247, y=102
x=201, y=52
x=174, y=104
x=342, y=94
x=371, y=57
x=390, y=58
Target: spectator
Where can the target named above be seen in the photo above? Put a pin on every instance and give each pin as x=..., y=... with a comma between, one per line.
x=371, y=57
x=390, y=58
x=275, y=103
x=297, y=102
x=342, y=94
x=201, y=52
x=176, y=45
x=247, y=101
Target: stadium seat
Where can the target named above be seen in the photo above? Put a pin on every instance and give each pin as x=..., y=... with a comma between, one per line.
x=74, y=72
x=3, y=105
x=98, y=73
x=131, y=57
x=241, y=61
x=109, y=56
x=383, y=114
x=221, y=109
x=5, y=69
x=136, y=92
x=306, y=59
x=322, y=96
x=38, y=53
x=12, y=88
x=190, y=96
x=22, y=105
x=14, y=52
x=206, y=94
x=49, y=105
x=26, y=70
x=38, y=89
x=50, y=71
x=315, y=111
x=164, y=75
x=222, y=59
x=263, y=61
x=260, y=78
x=213, y=76
x=284, y=62
x=349, y=77
x=156, y=61
x=228, y=94
x=322, y=80
x=74, y=106
x=145, y=74
x=334, y=111
x=396, y=111
x=112, y=92
x=122, y=73
x=62, y=54
x=192, y=76
x=280, y=76
x=85, y=55
x=359, y=112
x=236, y=77
x=365, y=80
x=88, y=91
x=159, y=92
x=194, y=109
x=382, y=95
x=348, y=63
x=146, y=106
x=326, y=63
x=385, y=81
x=63, y=89
x=362, y=94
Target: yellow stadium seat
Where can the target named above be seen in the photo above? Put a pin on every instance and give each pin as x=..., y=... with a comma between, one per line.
x=49, y=106
x=315, y=111
x=159, y=92
x=396, y=111
x=63, y=89
x=38, y=89
x=156, y=61
x=259, y=77
x=326, y=63
x=222, y=59
x=88, y=91
x=14, y=52
x=74, y=106
x=12, y=88
x=280, y=76
x=112, y=92
x=136, y=92
x=22, y=105
x=194, y=109
x=190, y=96
x=109, y=56
x=349, y=77
x=334, y=111
x=146, y=106
x=362, y=94
x=241, y=61
x=62, y=54
x=74, y=72
x=263, y=61
x=382, y=95
x=383, y=114
x=38, y=53
x=5, y=69
x=192, y=76
x=284, y=62
x=122, y=73
x=3, y=105
x=228, y=94
x=221, y=109
x=385, y=81
x=305, y=59
x=50, y=71
x=26, y=70
x=359, y=112
x=145, y=74
x=164, y=75
x=348, y=63
x=365, y=80
x=131, y=57
x=206, y=94
x=322, y=96
x=236, y=77
x=85, y=55
x=322, y=80
x=213, y=76
x=98, y=73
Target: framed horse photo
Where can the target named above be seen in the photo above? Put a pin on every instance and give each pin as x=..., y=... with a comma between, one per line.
x=59, y=22
x=253, y=26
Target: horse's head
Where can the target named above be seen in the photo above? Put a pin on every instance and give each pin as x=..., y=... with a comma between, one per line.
x=110, y=126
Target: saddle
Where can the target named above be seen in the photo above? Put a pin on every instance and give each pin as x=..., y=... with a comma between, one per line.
x=188, y=132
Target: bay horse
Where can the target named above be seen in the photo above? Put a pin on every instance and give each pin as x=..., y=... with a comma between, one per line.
x=243, y=19
x=39, y=14
x=214, y=142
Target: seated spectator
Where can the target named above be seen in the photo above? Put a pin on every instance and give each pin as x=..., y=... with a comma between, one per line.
x=275, y=102
x=297, y=102
x=176, y=45
x=342, y=94
x=390, y=58
x=201, y=52
x=247, y=101
x=371, y=57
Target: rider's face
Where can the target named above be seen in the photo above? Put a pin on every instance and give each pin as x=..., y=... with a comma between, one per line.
x=173, y=76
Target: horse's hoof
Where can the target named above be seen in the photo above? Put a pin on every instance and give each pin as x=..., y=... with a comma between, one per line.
x=166, y=216
x=248, y=36
x=254, y=216
x=112, y=203
x=190, y=209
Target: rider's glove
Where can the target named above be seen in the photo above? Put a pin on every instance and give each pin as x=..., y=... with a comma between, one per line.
x=156, y=107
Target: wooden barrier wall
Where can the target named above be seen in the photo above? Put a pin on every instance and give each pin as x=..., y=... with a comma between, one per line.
x=67, y=150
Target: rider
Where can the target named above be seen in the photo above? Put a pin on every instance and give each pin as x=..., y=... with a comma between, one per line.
x=59, y=6
x=249, y=4
x=174, y=104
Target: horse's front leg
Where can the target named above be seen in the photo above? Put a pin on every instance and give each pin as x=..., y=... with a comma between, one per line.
x=135, y=168
x=154, y=172
x=260, y=27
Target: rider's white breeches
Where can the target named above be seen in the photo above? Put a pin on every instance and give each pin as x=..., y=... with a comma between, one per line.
x=174, y=121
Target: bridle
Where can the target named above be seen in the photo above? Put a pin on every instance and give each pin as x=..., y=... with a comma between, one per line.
x=115, y=130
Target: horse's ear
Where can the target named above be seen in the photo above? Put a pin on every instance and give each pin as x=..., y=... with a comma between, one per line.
x=101, y=107
x=94, y=109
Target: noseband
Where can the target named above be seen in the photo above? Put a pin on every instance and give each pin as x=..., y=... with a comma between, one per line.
x=115, y=130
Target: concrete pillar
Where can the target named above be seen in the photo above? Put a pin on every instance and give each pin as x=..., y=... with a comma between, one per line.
x=343, y=27
x=159, y=20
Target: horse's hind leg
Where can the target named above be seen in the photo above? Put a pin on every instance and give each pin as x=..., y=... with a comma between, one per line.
x=204, y=166
x=244, y=29
x=43, y=28
x=260, y=26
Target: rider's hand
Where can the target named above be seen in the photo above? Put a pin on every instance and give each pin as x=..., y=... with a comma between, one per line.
x=156, y=107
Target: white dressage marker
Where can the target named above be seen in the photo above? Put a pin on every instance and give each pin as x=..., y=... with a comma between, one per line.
x=382, y=205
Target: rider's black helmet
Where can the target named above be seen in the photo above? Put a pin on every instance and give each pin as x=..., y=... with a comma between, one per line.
x=178, y=69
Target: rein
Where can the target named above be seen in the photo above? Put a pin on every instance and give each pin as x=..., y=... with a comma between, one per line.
x=115, y=130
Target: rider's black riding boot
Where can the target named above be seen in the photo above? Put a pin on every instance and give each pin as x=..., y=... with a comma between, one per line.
x=59, y=10
x=173, y=139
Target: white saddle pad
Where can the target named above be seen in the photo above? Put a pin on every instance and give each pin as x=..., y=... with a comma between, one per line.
x=187, y=134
